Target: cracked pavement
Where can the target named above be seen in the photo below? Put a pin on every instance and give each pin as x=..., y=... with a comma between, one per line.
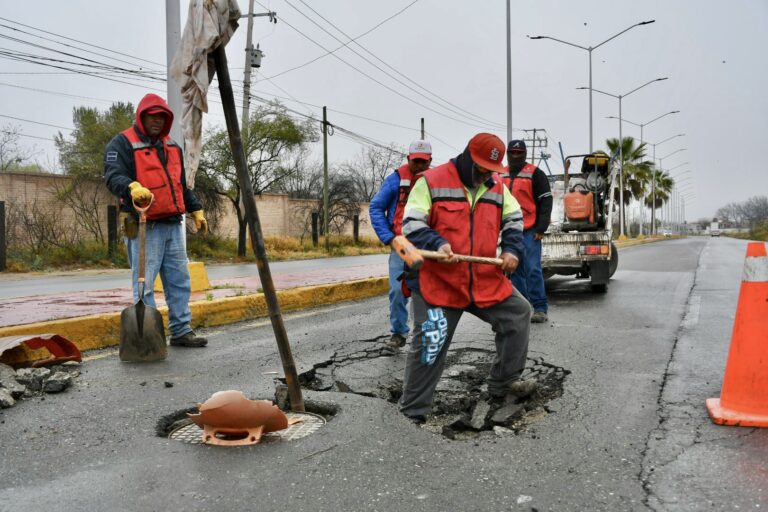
x=629, y=432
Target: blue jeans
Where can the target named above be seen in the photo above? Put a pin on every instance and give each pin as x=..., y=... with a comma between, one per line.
x=165, y=254
x=398, y=303
x=528, y=278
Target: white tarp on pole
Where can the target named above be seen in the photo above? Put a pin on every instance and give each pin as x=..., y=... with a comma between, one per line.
x=210, y=23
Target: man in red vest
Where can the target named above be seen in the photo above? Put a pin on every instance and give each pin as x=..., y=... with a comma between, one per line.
x=530, y=186
x=141, y=163
x=386, y=212
x=463, y=206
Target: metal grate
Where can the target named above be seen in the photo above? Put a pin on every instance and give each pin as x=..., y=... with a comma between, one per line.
x=193, y=434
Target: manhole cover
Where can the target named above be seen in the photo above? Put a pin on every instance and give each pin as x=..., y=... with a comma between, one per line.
x=192, y=434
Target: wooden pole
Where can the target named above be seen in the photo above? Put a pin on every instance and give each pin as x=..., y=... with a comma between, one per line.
x=254, y=227
x=326, y=213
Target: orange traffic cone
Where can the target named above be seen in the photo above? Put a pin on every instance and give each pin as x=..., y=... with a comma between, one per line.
x=744, y=398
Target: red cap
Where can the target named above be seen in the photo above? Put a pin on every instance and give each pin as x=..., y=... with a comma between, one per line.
x=487, y=150
x=156, y=110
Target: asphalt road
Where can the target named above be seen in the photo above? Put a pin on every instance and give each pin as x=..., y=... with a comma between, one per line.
x=26, y=285
x=630, y=431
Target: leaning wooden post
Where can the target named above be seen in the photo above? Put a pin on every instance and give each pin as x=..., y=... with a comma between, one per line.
x=254, y=229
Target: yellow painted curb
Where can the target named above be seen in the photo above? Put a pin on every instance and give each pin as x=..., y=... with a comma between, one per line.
x=100, y=331
x=197, y=275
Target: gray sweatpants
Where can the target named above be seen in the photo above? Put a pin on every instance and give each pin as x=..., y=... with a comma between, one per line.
x=509, y=319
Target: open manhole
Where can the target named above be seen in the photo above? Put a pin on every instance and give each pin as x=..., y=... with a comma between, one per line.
x=462, y=407
x=192, y=434
x=179, y=427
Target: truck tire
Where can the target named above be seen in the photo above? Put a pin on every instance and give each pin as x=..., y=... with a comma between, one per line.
x=613, y=263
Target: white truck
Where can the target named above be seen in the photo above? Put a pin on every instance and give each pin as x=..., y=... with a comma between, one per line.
x=714, y=228
x=579, y=239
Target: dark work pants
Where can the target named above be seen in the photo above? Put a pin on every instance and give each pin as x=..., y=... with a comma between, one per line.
x=510, y=320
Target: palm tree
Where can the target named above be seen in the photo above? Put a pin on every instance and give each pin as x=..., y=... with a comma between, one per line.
x=664, y=185
x=637, y=170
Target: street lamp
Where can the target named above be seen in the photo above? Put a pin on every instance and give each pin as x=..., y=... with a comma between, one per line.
x=642, y=125
x=589, y=49
x=653, y=181
x=621, y=146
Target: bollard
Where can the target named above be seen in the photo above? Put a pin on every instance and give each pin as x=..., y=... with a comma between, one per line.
x=315, y=237
x=112, y=231
x=355, y=228
x=2, y=236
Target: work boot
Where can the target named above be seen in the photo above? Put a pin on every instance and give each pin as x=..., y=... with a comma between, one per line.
x=519, y=388
x=538, y=317
x=189, y=340
x=395, y=343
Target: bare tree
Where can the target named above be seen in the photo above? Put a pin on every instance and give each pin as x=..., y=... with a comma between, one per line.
x=12, y=155
x=85, y=198
x=367, y=172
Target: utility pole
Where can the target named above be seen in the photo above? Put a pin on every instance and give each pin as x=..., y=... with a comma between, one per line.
x=247, y=74
x=422, y=128
x=325, y=182
x=252, y=59
x=172, y=38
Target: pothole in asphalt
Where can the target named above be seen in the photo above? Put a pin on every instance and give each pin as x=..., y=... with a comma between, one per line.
x=179, y=427
x=463, y=408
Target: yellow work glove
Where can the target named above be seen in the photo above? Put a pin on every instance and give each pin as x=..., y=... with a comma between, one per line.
x=140, y=194
x=200, y=223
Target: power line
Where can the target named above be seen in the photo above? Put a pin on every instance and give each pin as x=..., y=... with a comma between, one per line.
x=37, y=122
x=389, y=75
x=81, y=42
x=399, y=72
x=345, y=44
x=375, y=80
x=25, y=135
x=66, y=45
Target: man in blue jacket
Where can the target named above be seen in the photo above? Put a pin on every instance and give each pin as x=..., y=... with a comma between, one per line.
x=386, y=212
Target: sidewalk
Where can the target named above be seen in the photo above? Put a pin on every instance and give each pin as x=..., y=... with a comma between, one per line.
x=91, y=319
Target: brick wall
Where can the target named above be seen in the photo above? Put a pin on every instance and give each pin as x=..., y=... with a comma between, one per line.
x=279, y=214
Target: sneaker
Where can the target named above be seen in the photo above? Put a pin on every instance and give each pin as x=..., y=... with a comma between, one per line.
x=520, y=388
x=396, y=342
x=538, y=317
x=189, y=340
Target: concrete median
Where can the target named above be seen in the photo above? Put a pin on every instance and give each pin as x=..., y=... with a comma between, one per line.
x=103, y=330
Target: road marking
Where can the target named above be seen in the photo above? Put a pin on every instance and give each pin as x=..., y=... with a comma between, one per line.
x=691, y=317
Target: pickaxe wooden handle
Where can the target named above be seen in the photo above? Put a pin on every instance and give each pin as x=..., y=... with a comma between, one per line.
x=414, y=257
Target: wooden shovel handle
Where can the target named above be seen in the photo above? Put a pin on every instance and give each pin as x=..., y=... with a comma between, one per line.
x=436, y=255
x=142, y=240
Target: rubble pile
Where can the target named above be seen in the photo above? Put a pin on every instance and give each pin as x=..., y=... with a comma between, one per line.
x=23, y=383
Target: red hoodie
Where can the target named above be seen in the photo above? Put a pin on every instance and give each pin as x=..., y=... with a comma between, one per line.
x=162, y=178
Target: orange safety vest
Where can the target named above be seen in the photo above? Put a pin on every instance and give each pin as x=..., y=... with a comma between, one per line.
x=474, y=231
x=164, y=181
x=522, y=190
x=406, y=183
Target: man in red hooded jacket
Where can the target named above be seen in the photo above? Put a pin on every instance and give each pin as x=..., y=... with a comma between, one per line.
x=143, y=163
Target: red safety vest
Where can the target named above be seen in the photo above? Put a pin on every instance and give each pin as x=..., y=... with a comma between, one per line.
x=469, y=231
x=522, y=190
x=163, y=181
x=406, y=184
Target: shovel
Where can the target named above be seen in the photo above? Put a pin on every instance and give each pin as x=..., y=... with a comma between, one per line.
x=142, y=334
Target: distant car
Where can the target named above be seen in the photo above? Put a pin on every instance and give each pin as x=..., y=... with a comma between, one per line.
x=715, y=232
x=667, y=232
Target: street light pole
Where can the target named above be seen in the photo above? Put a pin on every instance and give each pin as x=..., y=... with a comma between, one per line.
x=509, y=73
x=653, y=182
x=621, y=147
x=589, y=50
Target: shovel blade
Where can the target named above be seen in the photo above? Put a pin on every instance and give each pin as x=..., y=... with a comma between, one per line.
x=142, y=334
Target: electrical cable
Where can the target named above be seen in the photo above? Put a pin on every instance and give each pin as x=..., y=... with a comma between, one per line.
x=37, y=122
x=431, y=93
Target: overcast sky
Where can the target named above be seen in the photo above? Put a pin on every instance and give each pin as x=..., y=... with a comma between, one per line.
x=712, y=52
